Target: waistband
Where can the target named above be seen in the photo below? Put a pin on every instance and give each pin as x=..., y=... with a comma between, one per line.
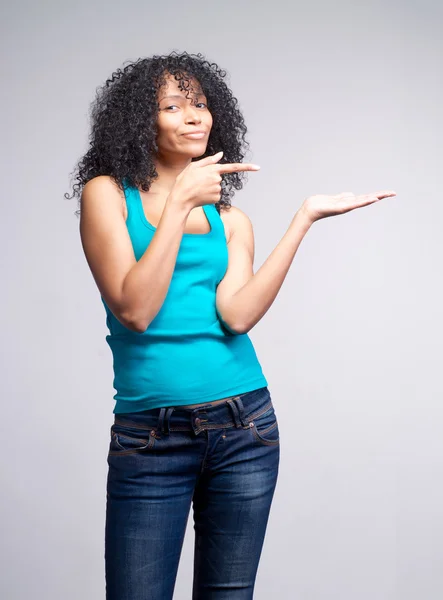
x=237, y=411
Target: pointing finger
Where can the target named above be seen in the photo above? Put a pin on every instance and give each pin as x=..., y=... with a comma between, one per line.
x=232, y=167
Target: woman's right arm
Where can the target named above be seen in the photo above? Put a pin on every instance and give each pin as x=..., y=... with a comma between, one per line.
x=134, y=291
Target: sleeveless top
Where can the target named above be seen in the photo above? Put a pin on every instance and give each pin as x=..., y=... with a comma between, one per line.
x=188, y=354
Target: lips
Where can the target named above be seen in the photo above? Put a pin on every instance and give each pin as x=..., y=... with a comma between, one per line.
x=196, y=132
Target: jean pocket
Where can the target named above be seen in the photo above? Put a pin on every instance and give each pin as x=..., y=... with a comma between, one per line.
x=125, y=440
x=265, y=427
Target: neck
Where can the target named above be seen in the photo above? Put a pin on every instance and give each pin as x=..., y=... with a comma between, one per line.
x=168, y=169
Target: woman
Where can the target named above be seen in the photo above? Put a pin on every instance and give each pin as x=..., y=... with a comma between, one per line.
x=194, y=422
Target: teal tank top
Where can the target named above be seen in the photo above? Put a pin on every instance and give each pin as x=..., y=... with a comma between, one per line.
x=188, y=354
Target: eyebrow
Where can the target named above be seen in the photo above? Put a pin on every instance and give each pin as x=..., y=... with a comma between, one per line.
x=179, y=96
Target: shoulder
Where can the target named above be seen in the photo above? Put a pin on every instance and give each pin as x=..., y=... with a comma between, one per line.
x=105, y=182
x=235, y=220
x=101, y=189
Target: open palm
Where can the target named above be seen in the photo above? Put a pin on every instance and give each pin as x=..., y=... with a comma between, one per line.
x=320, y=206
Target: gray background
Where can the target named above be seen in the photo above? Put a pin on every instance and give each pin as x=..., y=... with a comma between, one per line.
x=338, y=97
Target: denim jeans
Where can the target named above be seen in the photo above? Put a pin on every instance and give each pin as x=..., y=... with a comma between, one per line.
x=224, y=460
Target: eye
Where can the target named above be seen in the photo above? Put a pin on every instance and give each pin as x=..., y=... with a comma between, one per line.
x=175, y=106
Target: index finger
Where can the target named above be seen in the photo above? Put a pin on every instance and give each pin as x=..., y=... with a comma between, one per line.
x=232, y=167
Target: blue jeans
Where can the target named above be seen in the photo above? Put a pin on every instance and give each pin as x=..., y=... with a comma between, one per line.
x=224, y=459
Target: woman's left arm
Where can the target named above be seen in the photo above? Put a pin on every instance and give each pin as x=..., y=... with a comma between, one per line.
x=242, y=296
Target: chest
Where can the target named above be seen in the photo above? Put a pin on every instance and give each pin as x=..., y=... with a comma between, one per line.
x=196, y=223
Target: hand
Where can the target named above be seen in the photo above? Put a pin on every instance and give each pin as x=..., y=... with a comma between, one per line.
x=320, y=206
x=200, y=182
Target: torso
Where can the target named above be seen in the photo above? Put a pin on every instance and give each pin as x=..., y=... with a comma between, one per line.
x=196, y=223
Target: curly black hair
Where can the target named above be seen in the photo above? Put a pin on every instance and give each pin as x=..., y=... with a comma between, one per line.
x=124, y=122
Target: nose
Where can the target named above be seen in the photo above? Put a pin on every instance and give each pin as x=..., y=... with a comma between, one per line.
x=192, y=115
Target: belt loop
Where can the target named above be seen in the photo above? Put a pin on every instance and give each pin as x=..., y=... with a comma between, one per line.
x=161, y=417
x=243, y=419
x=234, y=409
x=168, y=416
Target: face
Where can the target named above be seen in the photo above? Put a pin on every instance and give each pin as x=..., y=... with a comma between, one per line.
x=179, y=116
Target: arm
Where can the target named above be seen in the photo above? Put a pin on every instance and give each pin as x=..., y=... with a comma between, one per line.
x=134, y=291
x=242, y=297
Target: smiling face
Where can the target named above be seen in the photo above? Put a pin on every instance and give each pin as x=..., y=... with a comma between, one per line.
x=178, y=116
